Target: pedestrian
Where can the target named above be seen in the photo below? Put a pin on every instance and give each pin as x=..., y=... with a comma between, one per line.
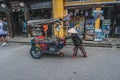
x=72, y=33
x=45, y=28
x=3, y=32
x=24, y=26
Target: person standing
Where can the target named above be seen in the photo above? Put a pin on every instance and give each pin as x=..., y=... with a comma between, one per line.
x=24, y=26
x=72, y=33
x=3, y=32
x=45, y=28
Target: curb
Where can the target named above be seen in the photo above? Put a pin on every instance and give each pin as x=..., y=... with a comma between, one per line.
x=71, y=44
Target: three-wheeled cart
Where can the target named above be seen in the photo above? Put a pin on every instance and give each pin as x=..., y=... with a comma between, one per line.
x=41, y=45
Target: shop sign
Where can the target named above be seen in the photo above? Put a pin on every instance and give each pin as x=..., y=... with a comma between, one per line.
x=106, y=28
x=15, y=5
x=41, y=5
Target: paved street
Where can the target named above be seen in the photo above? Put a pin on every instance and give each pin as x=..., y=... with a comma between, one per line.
x=17, y=64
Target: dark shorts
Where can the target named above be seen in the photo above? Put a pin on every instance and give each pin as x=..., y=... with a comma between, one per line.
x=3, y=35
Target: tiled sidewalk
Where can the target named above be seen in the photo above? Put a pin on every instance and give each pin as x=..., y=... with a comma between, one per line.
x=90, y=43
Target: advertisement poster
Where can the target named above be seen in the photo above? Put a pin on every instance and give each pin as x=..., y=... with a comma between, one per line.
x=82, y=26
x=95, y=13
x=89, y=30
x=98, y=35
x=106, y=28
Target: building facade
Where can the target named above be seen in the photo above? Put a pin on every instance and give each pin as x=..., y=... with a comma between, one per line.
x=89, y=17
x=18, y=12
x=95, y=20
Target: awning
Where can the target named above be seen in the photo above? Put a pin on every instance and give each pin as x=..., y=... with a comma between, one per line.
x=42, y=21
x=114, y=2
x=41, y=5
x=94, y=3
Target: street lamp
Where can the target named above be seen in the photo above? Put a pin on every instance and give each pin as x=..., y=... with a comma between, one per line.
x=22, y=4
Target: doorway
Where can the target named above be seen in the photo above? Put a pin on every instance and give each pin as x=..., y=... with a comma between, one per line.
x=45, y=13
x=18, y=21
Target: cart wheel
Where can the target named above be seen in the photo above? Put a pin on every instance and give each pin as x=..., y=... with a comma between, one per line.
x=61, y=54
x=36, y=54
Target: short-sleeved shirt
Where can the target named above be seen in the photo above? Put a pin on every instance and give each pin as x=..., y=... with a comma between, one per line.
x=1, y=29
x=45, y=27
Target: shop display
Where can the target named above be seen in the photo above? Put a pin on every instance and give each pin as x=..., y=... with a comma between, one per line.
x=106, y=28
x=117, y=25
x=98, y=35
x=82, y=22
x=89, y=29
x=37, y=30
x=96, y=13
x=117, y=30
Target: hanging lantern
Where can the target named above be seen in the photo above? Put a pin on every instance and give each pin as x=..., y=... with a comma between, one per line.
x=3, y=5
x=22, y=4
x=18, y=10
x=13, y=10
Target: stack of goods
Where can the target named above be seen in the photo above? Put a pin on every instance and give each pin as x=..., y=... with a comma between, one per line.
x=89, y=29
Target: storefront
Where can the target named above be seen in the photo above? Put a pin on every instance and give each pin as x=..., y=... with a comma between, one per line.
x=94, y=22
x=75, y=13
x=4, y=15
x=15, y=17
x=19, y=12
x=41, y=10
x=116, y=29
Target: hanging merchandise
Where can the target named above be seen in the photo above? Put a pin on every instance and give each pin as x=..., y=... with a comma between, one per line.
x=77, y=25
x=66, y=21
x=117, y=30
x=95, y=13
x=86, y=13
x=106, y=28
x=82, y=12
x=71, y=14
x=77, y=22
x=89, y=29
x=72, y=24
x=98, y=35
x=67, y=17
x=37, y=30
x=76, y=12
x=82, y=22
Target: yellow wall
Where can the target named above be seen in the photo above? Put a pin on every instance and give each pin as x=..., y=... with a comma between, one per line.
x=59, y=12
x=58, y=8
